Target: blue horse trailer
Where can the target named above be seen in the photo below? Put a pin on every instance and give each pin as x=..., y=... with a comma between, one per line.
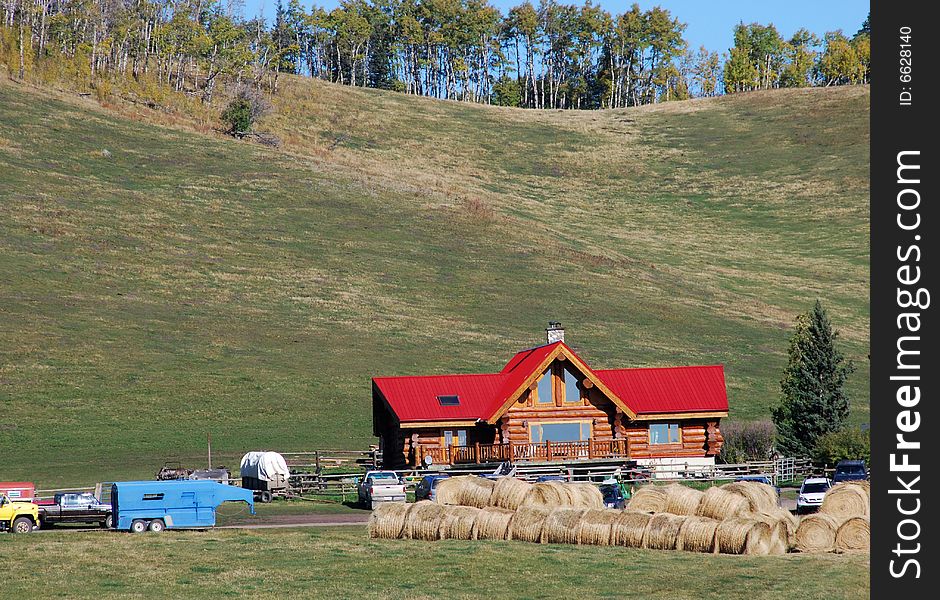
x=155, y=505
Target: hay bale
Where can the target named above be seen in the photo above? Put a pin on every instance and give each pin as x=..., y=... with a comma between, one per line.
x=816, y=533
x=547, y=494
x=630, y=529
x=457, y=523
x=423, y=521
x=492, y=523
x=587, y=494
x=388, y=520
x=760, y=496
x=527, y=524
x=854, y=535
x=509, y=493
x=466, y=490
x=662, y=531
x=596, y=525
x=782, y=521
x=697, y=534
x=649, y=498
x=718, y=503
x=563, y=526
x=743, y=536
x=682, y=500
x=846, y=500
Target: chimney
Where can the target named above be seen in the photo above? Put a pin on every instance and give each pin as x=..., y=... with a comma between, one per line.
x=555, y=332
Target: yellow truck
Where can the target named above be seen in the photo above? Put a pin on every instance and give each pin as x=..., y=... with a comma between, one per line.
x=18, y=517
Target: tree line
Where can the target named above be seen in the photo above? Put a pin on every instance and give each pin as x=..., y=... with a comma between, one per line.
x=550, y=55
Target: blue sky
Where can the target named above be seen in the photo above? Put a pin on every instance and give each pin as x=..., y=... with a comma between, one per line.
x=710, y=23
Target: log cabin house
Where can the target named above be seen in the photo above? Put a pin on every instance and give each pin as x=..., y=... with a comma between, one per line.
x=547, y=404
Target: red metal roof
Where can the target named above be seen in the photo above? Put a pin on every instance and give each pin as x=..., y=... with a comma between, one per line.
x=670, y=389
x=676, y=389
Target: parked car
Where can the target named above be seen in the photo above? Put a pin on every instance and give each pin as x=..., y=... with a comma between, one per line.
x=75, y=508
x=427, y=487
x=18, y=516
x=850, y=470
x=381, y=486
x=812, y=493
x=613, y=496
x=544, y=478
x=759, y=479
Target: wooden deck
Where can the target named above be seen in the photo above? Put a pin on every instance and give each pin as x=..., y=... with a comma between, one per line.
x=542, y=452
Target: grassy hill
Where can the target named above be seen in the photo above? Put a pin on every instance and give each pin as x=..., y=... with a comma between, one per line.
x=162, y=282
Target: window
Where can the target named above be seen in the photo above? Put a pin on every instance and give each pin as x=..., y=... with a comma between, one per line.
x=574, y=431
x=664, y=433
x=449, y=400
x=572, y=392
x=545, y=388
x=458, y=438
x=153, y=496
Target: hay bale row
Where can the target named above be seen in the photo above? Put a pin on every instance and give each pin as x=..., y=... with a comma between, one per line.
x=511, y=493
x=847, y=500
x=854, y=535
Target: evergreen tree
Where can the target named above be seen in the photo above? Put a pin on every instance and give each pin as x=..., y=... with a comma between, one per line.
x=814, y=400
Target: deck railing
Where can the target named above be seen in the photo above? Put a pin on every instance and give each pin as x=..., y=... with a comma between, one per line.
x=513, y=452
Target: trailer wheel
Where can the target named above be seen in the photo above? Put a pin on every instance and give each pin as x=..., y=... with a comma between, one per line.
x=22, y=525
x=157, y=526
x=138, y=526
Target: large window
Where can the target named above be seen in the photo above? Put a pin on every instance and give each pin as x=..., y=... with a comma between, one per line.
x=545, y=388
x=572, y=392
x=665, y=433
x=573, y=431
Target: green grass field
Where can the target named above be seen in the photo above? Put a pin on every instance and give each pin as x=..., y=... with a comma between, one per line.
x=159, y=283
x=342, y=562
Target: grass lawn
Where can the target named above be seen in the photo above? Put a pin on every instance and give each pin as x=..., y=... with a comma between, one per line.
x=344, y=563
x=160, y=283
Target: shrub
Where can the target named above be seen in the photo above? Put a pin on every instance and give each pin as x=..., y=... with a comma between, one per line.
x=845, y=444
x=247, y=106
x=746, y=441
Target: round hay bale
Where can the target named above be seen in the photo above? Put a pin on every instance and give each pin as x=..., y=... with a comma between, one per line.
x=492, y=523
x=649, y=498
x=423, y=521
x=816, y=533
x=596, y=525
x=682, y=500
x=567, y=495
x=587, y=495
x=662, y=531
x=547, y=494
x=466, y=490
x=846, y=500
x=509, y=492
x=457, y=522
x=718, y=503
x=781, y=520
x=563, y=526
x=388, y=520
x=743, y=536
x=854, y=535
x=527, y=524
x=697, y=534
x=760, y=496
x=630, y=529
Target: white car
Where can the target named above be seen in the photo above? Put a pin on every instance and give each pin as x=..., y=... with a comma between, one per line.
x=812, y=493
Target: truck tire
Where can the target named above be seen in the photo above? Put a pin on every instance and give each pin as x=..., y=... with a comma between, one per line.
x=138, y=526
x=157, y=526
x=108, y=523
x=266, y=496
x=22, y=525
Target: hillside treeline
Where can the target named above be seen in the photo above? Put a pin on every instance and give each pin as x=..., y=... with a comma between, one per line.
x=552, y=55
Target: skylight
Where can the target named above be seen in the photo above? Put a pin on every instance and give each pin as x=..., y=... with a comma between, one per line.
x=449, y=400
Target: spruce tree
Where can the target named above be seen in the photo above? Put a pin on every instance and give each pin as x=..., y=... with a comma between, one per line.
x=814, y=400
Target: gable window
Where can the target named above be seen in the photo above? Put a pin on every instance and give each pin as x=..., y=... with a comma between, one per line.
x=665, y=433
x=544, y=391
x=570, y=431
x=572, y=392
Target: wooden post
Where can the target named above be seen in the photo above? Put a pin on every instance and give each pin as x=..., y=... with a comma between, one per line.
x=209, y=447
x=548, y=450
x=476, y=451
x=590, y=447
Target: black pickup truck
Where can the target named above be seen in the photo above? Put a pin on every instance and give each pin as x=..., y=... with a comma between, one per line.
x=74, y=508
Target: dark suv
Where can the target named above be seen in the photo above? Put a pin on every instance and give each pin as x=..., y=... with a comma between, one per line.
x=850, y=470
